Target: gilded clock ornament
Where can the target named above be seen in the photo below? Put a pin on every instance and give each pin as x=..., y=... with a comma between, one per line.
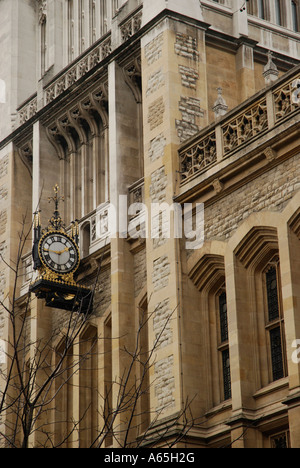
x=56, y=257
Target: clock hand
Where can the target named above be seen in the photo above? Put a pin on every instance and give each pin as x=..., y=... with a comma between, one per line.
x=66, y=249
x=58, y=252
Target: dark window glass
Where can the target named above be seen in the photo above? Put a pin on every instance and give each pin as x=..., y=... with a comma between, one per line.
x=223, y=317
x=226, y=374
x=272, y=293
x=276, y=354
x=280, y=442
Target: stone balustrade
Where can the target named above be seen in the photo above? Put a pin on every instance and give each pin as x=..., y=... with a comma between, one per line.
x=252, y=119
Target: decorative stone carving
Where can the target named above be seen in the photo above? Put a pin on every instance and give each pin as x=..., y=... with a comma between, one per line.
x=198, y=156
x=132, y=73
x=220, y=107
x=271, y=72
x=245, y=126
x=270, y=154
x=42, y=11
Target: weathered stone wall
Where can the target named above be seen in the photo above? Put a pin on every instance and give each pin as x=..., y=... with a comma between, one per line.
x=140, y=271
x=157, y=147
x=162, y=324
x=164, y=383
x=161, y=272
x=270, y=191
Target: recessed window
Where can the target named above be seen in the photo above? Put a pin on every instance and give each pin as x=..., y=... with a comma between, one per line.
x=261, y=9
x=224, y=347
x=280, y=441
x=278, y=12
x=275, y=322
x=295, y=15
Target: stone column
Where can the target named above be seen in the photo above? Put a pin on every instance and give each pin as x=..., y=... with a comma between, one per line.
x=123, y=161
x=290, y=276
x=174, y=108
x=45, y=175
x=242, y=363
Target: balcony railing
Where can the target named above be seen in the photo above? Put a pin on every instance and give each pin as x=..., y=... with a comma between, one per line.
x=258, y=115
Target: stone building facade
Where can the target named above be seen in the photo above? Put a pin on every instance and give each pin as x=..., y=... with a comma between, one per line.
x=164, y=103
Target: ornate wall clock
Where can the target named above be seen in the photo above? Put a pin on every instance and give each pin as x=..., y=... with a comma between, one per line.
x=59, y=253
x=56, y=257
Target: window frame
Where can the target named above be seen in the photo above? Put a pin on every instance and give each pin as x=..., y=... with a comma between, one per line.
x=295, y=18
x=271, y=325
x=222, y=348
x=273, y=437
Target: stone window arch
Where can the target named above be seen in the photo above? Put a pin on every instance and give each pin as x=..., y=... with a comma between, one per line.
x=259, y=305
x=208, y=275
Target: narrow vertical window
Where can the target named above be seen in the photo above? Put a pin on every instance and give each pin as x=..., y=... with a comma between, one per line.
x=103, y=17
x=276, y=354
x=261, y=9
x=71, y=30
x=92, y=12
x=272, y=294
x=80, y=26
x=43, y=35
x=295, y=18
x=226, y=374
x=43, y=47
x=251, y=7
x=278, y=12
x=224, y=347
x=223, y=317
x=275, y=323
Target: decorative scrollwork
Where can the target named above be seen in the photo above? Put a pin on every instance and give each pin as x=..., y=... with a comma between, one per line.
x=28, y=111
x=131, y=27
x=245, y=126
x=92, y=59
x=287, y=99
x=198, y=157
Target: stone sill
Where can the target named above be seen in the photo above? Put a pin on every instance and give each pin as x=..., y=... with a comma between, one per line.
x=272, y=387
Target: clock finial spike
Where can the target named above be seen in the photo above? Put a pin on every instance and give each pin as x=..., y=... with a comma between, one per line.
x=56, y=221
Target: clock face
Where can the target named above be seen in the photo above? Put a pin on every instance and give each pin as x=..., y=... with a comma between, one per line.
x=59, y=252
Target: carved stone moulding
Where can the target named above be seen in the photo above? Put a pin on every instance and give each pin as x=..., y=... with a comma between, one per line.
x=72, y=128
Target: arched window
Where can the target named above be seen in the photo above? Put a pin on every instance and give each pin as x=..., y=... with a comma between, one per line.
x=259, y=267
x=209, y=278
